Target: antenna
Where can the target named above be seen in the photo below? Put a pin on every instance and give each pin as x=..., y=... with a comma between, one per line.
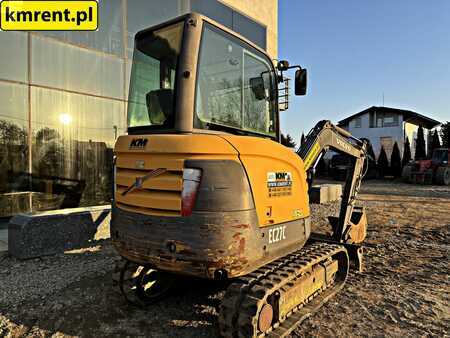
x=383, y=99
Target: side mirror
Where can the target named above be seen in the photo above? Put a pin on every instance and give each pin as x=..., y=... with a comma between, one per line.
x=301, y=80
x=257, y=86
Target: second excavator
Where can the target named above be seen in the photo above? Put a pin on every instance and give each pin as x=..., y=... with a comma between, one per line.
x=203, y=186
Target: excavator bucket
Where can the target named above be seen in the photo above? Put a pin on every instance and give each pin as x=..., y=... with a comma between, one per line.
x=358, y=225
x=354, y=235
x=356, y=232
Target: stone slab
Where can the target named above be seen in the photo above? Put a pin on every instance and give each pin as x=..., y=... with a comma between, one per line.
x=52, y=232
x=318, y=194
x=334, y=192
x=324, y=193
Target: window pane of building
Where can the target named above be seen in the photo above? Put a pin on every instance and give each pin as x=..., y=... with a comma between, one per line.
x=231, y=19
x=390, y=120
x=214, y=10
x=128, y=66
x=59, y=65
x=14, y=180
x=13, y=56
x=143, y=14
x=108, y=38
x=249, y=29
x=73, y=137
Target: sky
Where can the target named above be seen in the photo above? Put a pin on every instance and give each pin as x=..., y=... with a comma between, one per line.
x=356, y=50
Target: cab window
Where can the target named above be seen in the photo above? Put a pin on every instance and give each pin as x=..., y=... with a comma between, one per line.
x=235, y=86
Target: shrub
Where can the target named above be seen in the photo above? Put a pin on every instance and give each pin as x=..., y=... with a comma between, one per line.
x=383, y=164
x=406, y=153
x=420, y=145
x=396, y=161
x=445, y=134
x=435, y=142
x=302, y=139
x=288, y=141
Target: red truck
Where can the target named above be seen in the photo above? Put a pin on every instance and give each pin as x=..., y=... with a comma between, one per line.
x=434, y=171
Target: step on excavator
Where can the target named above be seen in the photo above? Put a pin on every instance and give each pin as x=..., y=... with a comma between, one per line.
x=203, y=186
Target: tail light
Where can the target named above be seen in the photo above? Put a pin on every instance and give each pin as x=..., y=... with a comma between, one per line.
x=191, y=182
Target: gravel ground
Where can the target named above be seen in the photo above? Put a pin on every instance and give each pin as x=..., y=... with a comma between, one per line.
x=404, y=290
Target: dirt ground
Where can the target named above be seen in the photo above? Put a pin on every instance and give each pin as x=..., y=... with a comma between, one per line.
x=404, y=290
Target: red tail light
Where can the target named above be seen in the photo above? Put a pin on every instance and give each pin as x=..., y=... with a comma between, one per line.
x=191, y=182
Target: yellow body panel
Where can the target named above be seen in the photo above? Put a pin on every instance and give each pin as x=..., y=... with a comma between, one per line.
x=157, y=200
x=161, y=195
x=166, y=181
x=168, y=144
x=264, y=160
x=261, y=157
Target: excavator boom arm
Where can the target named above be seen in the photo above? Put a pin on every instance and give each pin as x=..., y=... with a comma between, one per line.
x=326, y=136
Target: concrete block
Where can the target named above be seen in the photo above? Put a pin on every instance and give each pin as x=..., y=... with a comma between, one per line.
x=52, y=232
x=318, y=194
x=334, y=192
x=324, y=193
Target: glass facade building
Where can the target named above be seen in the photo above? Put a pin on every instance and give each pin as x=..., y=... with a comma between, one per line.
x=63, y=100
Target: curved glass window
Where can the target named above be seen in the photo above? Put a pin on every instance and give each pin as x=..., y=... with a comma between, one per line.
x=152, y=84
x=235, y=86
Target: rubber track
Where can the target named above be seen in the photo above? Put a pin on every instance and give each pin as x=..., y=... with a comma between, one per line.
x=243, y=298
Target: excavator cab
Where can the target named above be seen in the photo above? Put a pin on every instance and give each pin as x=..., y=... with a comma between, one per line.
x=227, y=84
x=203, y=186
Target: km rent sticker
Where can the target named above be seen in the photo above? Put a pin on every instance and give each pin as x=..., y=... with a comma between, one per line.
x=49, y=15
x=279, y=184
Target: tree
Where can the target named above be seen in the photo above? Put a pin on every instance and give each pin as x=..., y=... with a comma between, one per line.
x=11, y=133
x=406, y=152
x=396, y=161
x=13, y=156
x=302, y=139
x=435, y=142
x=420, y=145
x=383, y=164
x=445, y=134
x=46, y=134
x=288, y=141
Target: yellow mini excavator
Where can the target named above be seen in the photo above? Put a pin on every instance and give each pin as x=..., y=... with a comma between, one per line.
x=203, y=187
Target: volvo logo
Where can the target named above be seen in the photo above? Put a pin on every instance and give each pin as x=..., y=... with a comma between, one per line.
x=343, y=144
x=138, y=143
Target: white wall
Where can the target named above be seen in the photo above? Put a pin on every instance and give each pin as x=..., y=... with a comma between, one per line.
x=411, y=133
x=374, y=134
